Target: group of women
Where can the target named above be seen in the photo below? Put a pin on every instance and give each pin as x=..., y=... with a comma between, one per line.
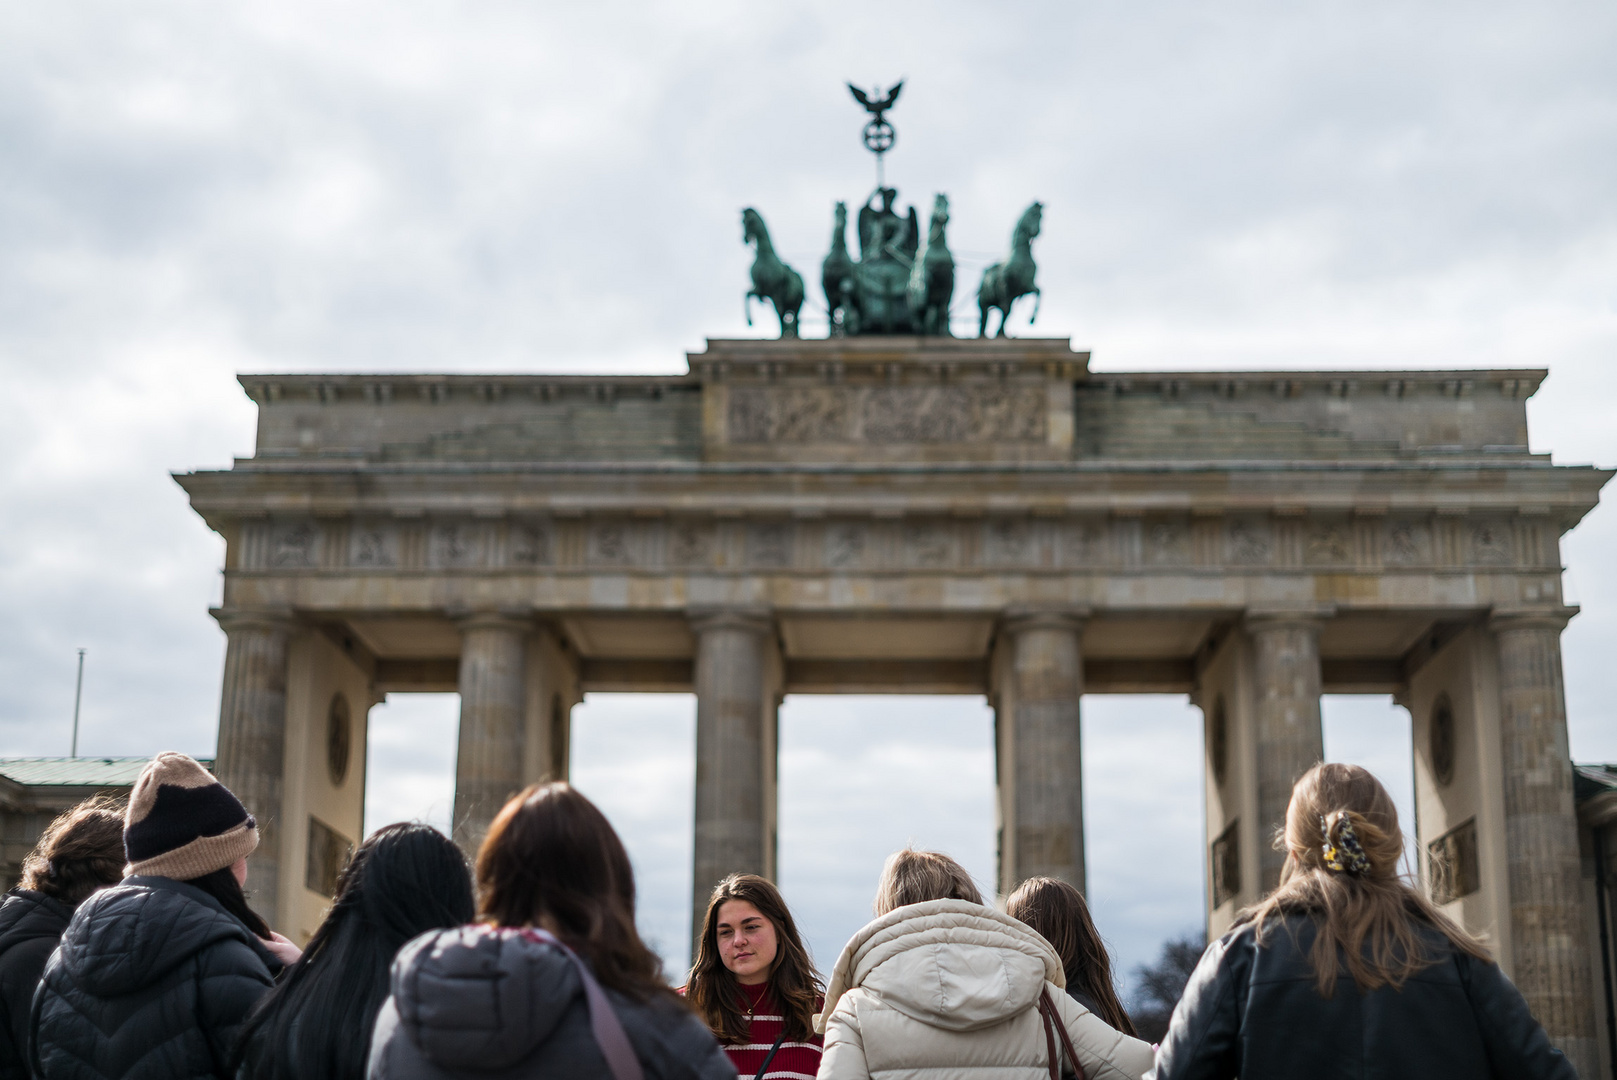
x=130, y=950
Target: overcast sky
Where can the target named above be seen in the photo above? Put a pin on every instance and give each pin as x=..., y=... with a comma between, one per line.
x=196, y=189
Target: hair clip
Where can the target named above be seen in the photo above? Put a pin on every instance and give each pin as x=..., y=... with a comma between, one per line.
x=1349, y=857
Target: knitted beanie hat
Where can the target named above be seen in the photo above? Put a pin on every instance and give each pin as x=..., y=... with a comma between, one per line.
x=182, y=823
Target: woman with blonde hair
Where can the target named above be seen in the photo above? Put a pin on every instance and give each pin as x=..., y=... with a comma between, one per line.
x=1059, y=913
x=940, y=985
x=1345, y=970
x=754, y=984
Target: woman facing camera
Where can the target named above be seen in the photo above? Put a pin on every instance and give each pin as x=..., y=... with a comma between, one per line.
x=754, y=984
x=941, y=985
x=1058, y=912
x=402, y=881
x=1345, y=970
x=554, y=982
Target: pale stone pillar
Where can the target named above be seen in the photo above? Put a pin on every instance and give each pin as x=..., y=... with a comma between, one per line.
x=490, y=759
x=1045, y=818
x=1550, y=949
x=1288, y=737
x=732, y=700
x=251, y=754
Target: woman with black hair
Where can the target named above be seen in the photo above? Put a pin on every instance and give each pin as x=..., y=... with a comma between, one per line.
x=155, y=976
x=315, y=1025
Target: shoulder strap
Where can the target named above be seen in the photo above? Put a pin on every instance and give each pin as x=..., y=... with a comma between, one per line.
x=773, y=1050
x=604, y=1022
x=1052, y=1019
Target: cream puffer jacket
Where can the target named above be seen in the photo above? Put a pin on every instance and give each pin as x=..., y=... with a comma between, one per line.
x=948, y=990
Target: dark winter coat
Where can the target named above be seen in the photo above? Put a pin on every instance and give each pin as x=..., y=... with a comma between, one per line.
x=31, y=926
x=493, y=1004
x=153, y=980
x=1257, y=1013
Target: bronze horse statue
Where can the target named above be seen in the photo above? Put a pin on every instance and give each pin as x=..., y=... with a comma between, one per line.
x=931, y=284
x=1006, y=282
x=836, y=274
x=772, y=279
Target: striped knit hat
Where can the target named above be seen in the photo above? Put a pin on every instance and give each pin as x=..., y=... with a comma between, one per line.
x=182, y=823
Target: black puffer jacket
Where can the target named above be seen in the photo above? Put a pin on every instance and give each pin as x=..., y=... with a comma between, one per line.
x=1257, y=1013
x=153, y=980
x=495, y=1005
x=31, y=926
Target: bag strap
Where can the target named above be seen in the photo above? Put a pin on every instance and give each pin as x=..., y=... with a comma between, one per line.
x=773, y=1050
x=604, y=1022
x=1050, y=1043
x=1052, y=1019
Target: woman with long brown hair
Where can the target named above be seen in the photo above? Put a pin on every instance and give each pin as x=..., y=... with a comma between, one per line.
x=1345, y=970
x=1058, y=912
x=554, y=980
x=754, y=984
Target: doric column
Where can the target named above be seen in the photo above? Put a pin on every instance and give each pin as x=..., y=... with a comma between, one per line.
x=1046, y=679
x=251, y=754
x=731, y=703
x=489, y=762
x=1288, y=737
x=1549, y=941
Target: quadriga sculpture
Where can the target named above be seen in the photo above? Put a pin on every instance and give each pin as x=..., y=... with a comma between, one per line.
x=836, y=274
x=931, y=285
x=1006, y=282
x=772, y=279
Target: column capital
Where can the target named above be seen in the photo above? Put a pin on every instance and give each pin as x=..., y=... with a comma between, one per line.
x=754, y=620
x=1016, y=619
x=1531, y=618
x=232, y=619
x=491, y=619
x=1288, y=616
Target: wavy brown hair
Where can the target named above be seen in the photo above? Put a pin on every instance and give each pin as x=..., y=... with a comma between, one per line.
x=1058, y=913
x=552, y=860
x=713, y=988
x=914, y=877
x=1371, y=917
x=78, y=853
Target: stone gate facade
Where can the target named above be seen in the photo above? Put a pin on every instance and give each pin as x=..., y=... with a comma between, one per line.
x=920, y=516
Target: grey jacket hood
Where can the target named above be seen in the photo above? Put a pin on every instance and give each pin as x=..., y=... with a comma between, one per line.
x=129, y=937
x=477, y=998
x=947, y=964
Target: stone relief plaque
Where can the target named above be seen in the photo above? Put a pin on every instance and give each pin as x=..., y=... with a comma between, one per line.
x=292, y=545
x=1328, y=543
x=690, y=543
x=1406, y=543
x=1167, y=543
x=928, y=544
x=769, y=545
x=1489, y=543
x=608, y=544
x=888, y=414
x=844, y=545
x=1008, y=541
x=1248, y=542
x=371, y=544
x=455, y=544
x=531, y=544
x=1083, y=543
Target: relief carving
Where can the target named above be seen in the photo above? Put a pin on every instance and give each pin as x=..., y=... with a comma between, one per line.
x=1328, y=543
x=1407, y=542
x=896, y=414
x=373, y=545
x=691, y=544
x=844, y=545
x=1083, y=543
x=455, y=544
x=1490, y=543
x=1166, y=543
x=769, y=545
x=1249, y=543
x=928, y=544
x=293, y=545
x=531, y=544
x=1007, y=541
x=609, y=543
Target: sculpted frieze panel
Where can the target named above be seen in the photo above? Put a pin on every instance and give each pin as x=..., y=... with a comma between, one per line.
x=374, y=545
x=928, y=544
x=1489, y=543
x=690, y=543
x=1082, y=543
x=454, y=545
x=887, y=414
x=844, y=545
x=292, y=545
x=531, y=543
x=1167, y=543
x=608, y=544
x=769, y=545
x=1008, y=541
x=1407, y=542
x=1249, y=542
x=1328, y=543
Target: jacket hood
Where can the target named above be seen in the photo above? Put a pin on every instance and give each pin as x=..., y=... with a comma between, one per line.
x=475, y=997
x=948, y=964
x=28, y=914
x=130, y=936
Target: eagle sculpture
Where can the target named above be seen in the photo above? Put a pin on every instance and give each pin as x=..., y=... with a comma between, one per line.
x=881, y=105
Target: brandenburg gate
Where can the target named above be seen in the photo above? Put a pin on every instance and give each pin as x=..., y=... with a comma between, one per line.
x=919, y=515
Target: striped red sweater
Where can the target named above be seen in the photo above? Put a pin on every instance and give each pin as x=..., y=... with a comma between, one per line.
x=794, y=1060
